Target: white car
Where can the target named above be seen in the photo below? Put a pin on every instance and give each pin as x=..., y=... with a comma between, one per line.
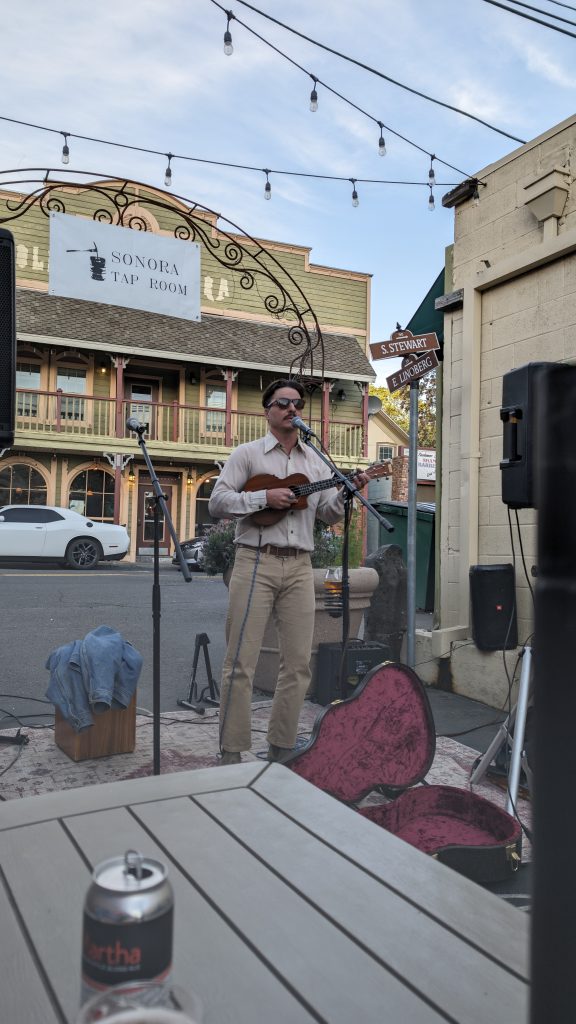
x=44, y=532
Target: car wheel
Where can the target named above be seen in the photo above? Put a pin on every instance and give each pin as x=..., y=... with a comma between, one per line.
x=83, y=553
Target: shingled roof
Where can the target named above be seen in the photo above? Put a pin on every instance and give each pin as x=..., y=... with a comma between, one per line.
x=215, y=339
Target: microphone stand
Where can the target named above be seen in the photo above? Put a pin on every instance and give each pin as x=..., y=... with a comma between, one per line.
x=159, y=503
x=350, y=492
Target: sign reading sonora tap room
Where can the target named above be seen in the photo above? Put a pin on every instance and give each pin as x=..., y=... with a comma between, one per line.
x=123, y=267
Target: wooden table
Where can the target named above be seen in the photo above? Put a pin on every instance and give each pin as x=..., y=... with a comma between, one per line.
x=290, y=907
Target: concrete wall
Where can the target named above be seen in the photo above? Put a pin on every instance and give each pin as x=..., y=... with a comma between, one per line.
x=517, y=269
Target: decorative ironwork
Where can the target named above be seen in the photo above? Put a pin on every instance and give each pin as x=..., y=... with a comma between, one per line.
x=120, y=203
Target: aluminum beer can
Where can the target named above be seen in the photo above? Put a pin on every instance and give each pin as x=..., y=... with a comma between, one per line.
x=128, y=924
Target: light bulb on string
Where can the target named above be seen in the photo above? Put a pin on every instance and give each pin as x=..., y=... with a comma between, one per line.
x=381, y=141
x=355, y=200
x=314, y=96
x=168, y=171
x=431, y=203
x=267, y=186
x=228, y=48
x=431, y=175
x=65, y=149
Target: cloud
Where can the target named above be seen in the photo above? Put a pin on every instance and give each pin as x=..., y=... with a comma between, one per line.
x=542, y=63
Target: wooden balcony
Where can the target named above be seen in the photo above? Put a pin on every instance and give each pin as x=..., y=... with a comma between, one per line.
x=59, y=420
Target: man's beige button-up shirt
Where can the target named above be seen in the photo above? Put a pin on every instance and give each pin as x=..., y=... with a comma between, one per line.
x=266, y=455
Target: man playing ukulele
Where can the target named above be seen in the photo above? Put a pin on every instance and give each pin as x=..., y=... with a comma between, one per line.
x=272, y=572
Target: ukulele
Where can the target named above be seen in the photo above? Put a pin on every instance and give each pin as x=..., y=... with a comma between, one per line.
x=301, y=486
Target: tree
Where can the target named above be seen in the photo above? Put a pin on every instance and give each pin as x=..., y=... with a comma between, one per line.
x=397, y=406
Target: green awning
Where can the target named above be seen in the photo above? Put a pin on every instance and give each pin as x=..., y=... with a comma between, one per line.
x=427, y=319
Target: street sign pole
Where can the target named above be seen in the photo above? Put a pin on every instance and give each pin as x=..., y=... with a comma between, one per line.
x=411, y=526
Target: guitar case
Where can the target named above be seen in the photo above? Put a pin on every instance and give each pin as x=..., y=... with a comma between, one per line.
x=383, y=738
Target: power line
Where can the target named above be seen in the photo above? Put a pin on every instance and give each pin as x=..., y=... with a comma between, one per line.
x=373, y=71
x=548, y=14
x=520, y=14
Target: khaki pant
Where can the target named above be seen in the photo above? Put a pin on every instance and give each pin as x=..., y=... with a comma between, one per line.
x=285, y=588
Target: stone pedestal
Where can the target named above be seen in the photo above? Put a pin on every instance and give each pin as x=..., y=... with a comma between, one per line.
x=363, y=582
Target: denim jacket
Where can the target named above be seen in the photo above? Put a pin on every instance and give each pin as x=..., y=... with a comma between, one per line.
x=91, y=675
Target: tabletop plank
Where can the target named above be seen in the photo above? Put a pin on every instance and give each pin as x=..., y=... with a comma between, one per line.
x=118, y=794
x=333, y=976
x=210, y=959
x=460, y=983
x=20, y=976
x=48, y=879
x=484, y=919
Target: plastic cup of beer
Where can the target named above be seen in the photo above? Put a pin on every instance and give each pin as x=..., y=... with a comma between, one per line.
x=145, y=1002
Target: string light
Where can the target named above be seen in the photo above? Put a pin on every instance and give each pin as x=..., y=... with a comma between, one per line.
x=267, y=186
x=168, y=171
x=228, y=48
x=355, y=200
x=381, y=141
x=65, y=149
x=314, y=96
x=431, y=203
x=431, y=175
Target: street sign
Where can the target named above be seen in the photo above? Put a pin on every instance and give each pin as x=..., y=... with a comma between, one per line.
x=413, y=367
x=403, y=343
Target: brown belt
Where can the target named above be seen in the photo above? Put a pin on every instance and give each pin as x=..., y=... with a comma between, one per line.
x=273, y=549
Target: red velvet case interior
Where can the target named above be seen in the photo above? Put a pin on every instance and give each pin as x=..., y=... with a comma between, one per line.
x=383, y=735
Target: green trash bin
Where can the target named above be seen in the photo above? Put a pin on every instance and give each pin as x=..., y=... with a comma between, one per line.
x=396, y=512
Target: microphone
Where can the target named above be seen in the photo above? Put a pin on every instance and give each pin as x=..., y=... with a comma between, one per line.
x=297, y=422
x=134, y=424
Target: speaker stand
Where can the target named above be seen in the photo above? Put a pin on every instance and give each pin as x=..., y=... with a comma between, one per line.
x=516, y=718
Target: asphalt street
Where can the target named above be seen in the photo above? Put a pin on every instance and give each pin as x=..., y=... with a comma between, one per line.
x=43, y=608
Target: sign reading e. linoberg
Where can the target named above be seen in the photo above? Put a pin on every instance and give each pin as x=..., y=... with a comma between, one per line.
x=123, y=267
x=413, y=367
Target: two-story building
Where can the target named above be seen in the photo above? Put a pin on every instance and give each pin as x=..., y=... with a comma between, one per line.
x=85, y=367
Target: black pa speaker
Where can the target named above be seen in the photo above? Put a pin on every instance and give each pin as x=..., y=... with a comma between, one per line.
x=493, y=600
x=7, y=339
x=361, y=656
x=519, y=419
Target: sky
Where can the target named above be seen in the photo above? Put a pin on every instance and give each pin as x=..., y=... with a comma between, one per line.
x=153, y=74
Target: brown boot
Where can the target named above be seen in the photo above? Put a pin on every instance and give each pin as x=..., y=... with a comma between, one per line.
x=278, y=753
x=231, y=757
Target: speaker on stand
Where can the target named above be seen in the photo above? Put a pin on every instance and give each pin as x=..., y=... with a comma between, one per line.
x=493, y=601
x=7, y=339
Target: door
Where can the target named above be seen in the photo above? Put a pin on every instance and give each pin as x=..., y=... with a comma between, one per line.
x=146, y=506
x=141, y=397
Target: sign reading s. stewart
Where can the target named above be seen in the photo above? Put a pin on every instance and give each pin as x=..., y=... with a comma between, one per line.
x=404, y=343
x=123, y=267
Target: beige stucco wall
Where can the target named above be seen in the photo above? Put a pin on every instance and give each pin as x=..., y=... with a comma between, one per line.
x=518, y=275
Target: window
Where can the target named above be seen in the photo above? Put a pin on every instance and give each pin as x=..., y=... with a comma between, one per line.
x=203, y=518
x=92, y=495
x=27, y=378
x=384, y=452
x=22, y=485
x=72, y=382
x=215, y=400
x=31, y=515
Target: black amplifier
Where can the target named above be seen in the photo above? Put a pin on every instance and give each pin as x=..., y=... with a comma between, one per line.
x=360, y=657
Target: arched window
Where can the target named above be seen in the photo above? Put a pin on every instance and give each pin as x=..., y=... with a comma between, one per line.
x=203, y=518
x=21, y=484
x=92, y=494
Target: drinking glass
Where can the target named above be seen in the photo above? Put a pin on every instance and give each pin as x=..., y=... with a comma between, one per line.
x=145, y=1002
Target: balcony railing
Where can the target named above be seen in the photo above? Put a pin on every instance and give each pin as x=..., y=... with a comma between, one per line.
x=56, y=412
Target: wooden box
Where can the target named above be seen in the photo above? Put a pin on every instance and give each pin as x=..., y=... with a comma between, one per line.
x=113, y=732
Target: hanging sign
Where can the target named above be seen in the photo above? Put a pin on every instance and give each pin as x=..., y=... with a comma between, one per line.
x=413, y=367
x=123, y=267
x=403, y=343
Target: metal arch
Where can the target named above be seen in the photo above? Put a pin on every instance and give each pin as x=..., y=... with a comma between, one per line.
x=251, y=262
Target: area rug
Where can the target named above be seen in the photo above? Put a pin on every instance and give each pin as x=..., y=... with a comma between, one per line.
x=189, y=741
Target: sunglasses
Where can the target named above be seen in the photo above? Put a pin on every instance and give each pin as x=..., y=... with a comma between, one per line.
x=283, y=403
